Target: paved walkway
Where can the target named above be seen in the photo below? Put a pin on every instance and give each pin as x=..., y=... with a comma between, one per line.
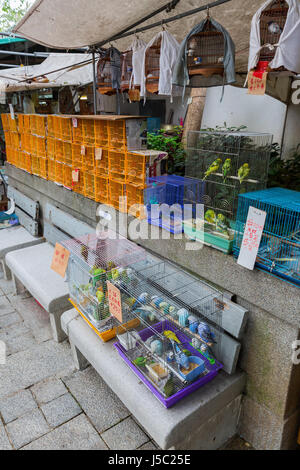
x=46, y=404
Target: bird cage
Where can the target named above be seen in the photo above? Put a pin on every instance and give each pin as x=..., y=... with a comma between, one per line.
x=272, y=23
x=152, y=66
x=126, y=71
x=109, y=71
x=205, y=54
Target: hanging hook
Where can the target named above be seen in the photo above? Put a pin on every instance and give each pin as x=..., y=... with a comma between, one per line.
x=136, y=34
x=208, y=13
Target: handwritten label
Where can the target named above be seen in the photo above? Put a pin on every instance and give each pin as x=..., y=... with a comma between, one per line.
x=257, y=83
x=75, y=122
x=82, y=150
x=75, y=176
x=115, y=302
x=12, y=111
x=60, y=260
x=98, y=154
x=252, y=238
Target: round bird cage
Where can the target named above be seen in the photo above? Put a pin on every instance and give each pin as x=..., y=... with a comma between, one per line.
x=206, y=51
x=107, y=68
x=152, y=66
x=272, y=23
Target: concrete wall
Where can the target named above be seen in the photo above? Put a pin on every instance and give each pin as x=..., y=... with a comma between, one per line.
x=271, y=406
x=292, y=129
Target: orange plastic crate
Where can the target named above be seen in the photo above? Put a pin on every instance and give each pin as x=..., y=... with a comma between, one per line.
x=9, y=155
x=51, y=170
x=67, y=153
x=21, y=160
x=136, y=169
x=101, y=166
x=35, y=161
x=135, y=201
x=33, y=124
x=59, y=151
x=50, y=126
x=26, y=123
x=101, y=133
x=21, y=123
x=5, y=122
x=66, y=129
x=78, y=132
x=51, y=148
x=88, y=131
x=68, y=178
x=77, y=156
x=57, y=126
x=27, y=162
x=89, y=184
x=101, y=189
x=117, y=134
x=41, y=147
x=59, y=173
x=117, y=166
x=44, y=168
x=7, y=137
x=12, y=123
x=88, y=158
x=117, y=191
x=26, y=143
x=40, y=125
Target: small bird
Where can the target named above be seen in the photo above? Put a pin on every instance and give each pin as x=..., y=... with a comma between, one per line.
x=206, y=335
x=169, y=387
x=210, y=217
x=142, y=299
x=214, y=167
x=171, y=336
x=244, y=172
x=226, y=169
x=222, y=224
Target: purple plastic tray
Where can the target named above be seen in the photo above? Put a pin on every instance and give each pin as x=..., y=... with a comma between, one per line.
x=169, y=402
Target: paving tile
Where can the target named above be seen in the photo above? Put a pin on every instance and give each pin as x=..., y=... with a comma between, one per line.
x=9, y=320
x=61, y=410
x=148, y=446
x=126, y=435
x=17, y=405
x=4, y=442
x=13, y=331
x=25, y=430
x=6, y=286
x=77, y=434
x=34, y=316
x=27, y=368
x=5, y=306
x=97, y=400
x=48, y=390
x=20, y=343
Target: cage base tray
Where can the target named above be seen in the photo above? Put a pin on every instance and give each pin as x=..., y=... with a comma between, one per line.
x=209, y=239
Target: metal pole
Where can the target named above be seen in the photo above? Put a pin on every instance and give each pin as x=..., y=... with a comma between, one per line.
x=94, y=82
x=27, y=54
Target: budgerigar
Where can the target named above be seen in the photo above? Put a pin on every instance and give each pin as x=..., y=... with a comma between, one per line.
x=214, y=167
x=226, y=169
x=206, y=335
x=244, y=172
x=210, y=216
x=171, y=336
x=222, y=224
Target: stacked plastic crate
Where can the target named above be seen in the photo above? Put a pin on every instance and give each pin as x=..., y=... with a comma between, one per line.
x=12, y=138
x=38, y=127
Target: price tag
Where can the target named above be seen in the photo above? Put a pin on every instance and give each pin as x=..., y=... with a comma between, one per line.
x=60, y=260
x=98, y=154
x=252, y=238
x=12, y=111
x=75, y=176
x=82, y=150
x=115, y=302
x=75, y=122
x=257, y=83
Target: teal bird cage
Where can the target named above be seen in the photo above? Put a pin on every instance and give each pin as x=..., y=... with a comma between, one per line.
x=279, y=251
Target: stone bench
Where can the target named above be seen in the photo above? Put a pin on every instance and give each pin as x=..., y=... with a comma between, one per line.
x=24, y=235
x=207, y=419
x=31, y=267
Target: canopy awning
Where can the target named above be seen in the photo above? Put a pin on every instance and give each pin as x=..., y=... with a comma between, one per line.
x=21, y=78
x=71, y=24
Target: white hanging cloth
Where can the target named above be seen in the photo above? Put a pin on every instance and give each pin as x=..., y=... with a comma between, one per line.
x=169, y=51
x=287, y=50
x=138, y=51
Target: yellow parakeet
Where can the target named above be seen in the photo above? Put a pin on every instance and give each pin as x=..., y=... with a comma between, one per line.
x=244, y=172
x=170, y=335
x=214, y=167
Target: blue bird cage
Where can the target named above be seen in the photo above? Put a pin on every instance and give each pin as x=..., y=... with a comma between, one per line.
x=279, y=251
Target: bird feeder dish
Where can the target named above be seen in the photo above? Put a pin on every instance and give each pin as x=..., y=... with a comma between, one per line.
x=272, y=23
x=206, y=49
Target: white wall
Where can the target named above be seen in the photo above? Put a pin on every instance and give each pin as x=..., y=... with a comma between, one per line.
x=292, y=129
x=258, y=113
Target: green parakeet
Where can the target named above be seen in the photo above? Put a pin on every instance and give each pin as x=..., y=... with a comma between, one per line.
x=210, y=217
x=244, y=172
x=214, y=167
x=222, y=224
x=226, y=169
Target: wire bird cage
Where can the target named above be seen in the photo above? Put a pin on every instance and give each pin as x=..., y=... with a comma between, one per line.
x=152, y=66
x=272, y=23
x=229, y=163
x=206, y=51
x=279, y=251
x=109, y=71
x=168, y=350
x=126, y=71
x=92, y=262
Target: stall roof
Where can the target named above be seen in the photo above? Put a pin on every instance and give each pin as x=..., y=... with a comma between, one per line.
x=77, y=23
x=20, y=79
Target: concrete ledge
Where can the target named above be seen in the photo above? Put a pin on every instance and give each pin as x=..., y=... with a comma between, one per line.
x=16, y=238
x=169, y=428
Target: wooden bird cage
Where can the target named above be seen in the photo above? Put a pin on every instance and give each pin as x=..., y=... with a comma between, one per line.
x=126, y=71
x=206, y=51
x=104, y=77
x=152, y=66
x=272, y=23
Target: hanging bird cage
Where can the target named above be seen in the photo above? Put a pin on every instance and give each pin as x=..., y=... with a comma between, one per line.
x=272, y=23
x=108, y=72
x=126, y=71
x=206, y=51
x=152, y=66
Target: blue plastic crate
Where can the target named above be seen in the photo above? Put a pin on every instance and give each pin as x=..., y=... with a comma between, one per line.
x=279, y=251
